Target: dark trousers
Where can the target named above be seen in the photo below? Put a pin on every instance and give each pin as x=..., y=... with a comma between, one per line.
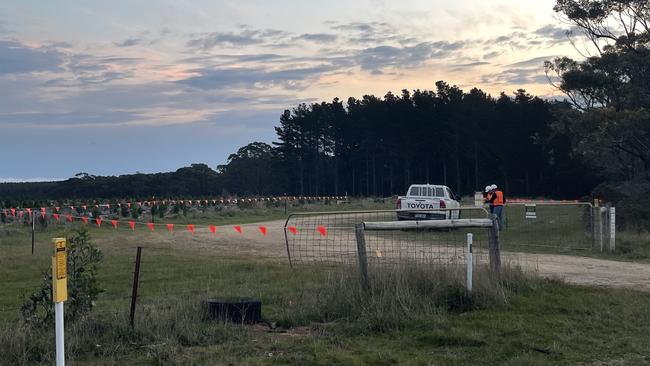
x=498, y=211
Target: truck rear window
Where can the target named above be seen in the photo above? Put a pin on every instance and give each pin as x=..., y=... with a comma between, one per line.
x=427, y=191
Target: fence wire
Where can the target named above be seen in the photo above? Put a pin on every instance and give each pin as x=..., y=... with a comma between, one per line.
x=549, y=227
x=338, y=245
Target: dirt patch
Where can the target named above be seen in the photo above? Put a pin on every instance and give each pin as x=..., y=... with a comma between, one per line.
x=587, y=271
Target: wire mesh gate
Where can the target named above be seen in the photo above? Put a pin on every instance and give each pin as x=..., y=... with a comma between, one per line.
x=329, y=238
x=557, y=227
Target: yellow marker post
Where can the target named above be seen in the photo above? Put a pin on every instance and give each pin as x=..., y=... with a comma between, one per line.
x=59, y=293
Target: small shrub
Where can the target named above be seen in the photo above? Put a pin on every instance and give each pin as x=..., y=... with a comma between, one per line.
x=83, y=289
x=136, y=211
x=96, y=212
x=161, y=211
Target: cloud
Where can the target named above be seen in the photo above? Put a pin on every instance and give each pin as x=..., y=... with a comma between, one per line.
x=492, y=54
x=465, y=67
x=372, y=32
x=18, y=58
x=554, y=33
x=516, y=76
x=377, y=58
x=245, y=37
x=289, y=78
x=472, y=64
x=317, y=37
x=128, y=42
x=536, y=62
x=547, y=36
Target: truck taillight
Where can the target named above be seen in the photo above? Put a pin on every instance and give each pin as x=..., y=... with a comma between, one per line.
x=443, y=204
x=399, y=203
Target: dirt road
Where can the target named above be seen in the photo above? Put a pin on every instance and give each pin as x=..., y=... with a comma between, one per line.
x=577, y=270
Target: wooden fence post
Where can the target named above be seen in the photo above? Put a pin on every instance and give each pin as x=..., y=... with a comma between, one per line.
x=362, y=256
x=494, y=245
x=134, y=289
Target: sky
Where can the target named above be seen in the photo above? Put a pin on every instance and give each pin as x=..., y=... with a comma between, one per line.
x=118, y=87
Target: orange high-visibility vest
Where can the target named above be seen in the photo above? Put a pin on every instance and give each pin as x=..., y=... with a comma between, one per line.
x=498, y=201
x=488, y=197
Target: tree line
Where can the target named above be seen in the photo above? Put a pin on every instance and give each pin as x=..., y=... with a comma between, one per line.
x=375, y=147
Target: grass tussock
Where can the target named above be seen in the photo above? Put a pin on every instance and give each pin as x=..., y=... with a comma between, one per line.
x=401, y=297
x=633, y=245
x=162, y=330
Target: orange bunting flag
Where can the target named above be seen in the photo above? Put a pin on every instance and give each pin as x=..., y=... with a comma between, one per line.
x=29, y=211
x=238, y=229
x=128, y=204
x=13, y=212
x=170, y=227
x=56, y=216
x=114, y=223
x=84, y=207
x=322, y=230
x=84, y=219
x=69, y=218
x=20, y=214
x=293, y=230
x=72, y=208
x=98, y=221
x=132, y=225
x=43, y=214
x=190, y=227
x=42, y=209
x=150, y=225
x=213, y=229
x=263, y=230
x=57, y=209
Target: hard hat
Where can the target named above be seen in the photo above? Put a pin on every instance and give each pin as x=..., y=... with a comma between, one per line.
x=494, y=186
x=487, y=188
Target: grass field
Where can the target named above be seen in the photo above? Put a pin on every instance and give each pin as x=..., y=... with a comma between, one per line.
x=318, y=314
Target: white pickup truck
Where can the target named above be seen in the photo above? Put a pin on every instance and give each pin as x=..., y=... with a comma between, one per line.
x=425, y=201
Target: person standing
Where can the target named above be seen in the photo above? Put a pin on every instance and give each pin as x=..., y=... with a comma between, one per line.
x=498, y=201
x=487, y=197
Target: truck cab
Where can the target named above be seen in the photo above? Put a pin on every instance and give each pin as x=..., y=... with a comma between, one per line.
x=428, y=202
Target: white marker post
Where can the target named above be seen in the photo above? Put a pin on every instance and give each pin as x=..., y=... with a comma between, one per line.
x=470, y=260
x=612, y=229
x=59, y=294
